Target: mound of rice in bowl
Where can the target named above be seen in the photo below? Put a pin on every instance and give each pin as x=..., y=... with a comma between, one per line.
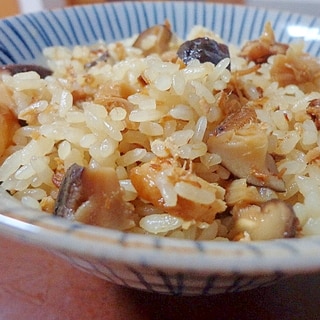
x=191, y=139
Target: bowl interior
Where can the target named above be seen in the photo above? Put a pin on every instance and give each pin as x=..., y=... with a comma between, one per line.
x=22, y=40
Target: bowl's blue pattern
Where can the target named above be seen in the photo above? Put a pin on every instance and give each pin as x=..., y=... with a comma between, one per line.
x=24, y=37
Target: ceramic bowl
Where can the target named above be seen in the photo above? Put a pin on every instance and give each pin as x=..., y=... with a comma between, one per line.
x=150, y=263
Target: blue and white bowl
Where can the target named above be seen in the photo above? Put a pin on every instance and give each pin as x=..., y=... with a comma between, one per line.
x=154, y=264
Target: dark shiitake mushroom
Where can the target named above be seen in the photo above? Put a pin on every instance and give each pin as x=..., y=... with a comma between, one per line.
x=13, y=69
x=93, y=196
x=204, y=49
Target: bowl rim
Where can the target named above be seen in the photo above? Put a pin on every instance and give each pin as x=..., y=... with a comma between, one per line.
x=56, y=234
x=201, y=7
x=257, y=257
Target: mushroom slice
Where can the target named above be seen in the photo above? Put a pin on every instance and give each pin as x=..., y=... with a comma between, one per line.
x=154, y=40
x=243, y=148
x=93, y=196
x=273, y=220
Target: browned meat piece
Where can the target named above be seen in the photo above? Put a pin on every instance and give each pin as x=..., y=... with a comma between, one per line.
x=260, y=50
x=8, y=124
x=297, y=68
x=313, y=110
x=177, y=191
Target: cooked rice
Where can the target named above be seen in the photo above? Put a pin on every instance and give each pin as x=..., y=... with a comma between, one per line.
x=129, y=111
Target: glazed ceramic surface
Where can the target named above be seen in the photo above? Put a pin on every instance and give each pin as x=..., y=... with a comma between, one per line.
x=151, y=263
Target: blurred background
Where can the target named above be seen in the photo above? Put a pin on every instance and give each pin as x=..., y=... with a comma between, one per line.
x=12, y=7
